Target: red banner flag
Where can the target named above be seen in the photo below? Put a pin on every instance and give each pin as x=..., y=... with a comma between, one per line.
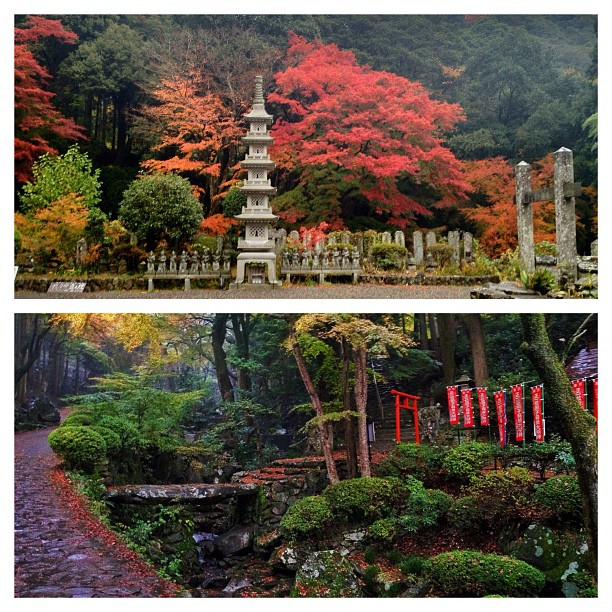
x=538, y=421
x=578, y=387
x=517, y=405
x=483, y=406
x=595, y=396
x=500, y=406
x=453, y=405
x=468, y=411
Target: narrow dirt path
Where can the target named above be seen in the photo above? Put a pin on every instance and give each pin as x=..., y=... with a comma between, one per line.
x=61, y=550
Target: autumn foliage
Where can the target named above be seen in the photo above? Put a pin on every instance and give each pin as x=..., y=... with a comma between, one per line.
x=54, y=230
x=196, y=134
x=375, y=125
x=492, y=183
x=37, y=121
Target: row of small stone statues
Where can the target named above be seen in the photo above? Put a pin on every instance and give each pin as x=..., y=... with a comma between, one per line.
x=315, y=259
x=191, y=263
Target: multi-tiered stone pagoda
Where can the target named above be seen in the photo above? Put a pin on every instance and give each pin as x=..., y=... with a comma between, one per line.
x=257, y=246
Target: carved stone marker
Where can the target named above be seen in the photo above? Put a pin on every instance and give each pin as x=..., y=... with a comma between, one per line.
x=66, y=287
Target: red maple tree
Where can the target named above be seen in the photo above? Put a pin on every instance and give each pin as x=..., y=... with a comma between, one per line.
x=196, y=135
x=493, y=180
x=36, y=119
x=375, y=125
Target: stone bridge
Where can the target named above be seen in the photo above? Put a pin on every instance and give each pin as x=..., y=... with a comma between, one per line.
x=155, y=494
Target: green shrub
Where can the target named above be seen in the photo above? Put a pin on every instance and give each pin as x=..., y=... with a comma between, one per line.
x=80, y=447
x=464, y=515
x=384, y=530
x=131, y=438
x=388, y=256
x=422, y=462
x=413, y=565
x=442, y=253
x=308, y=517
x=424, y=508
x=466, y=461
x=78, y=418
x=503, y=494
x=541, y=281
x=561, y=495
x=542, y=456
x=111, y=439
x=366, y=498
x=161, y=206
x=466, y=573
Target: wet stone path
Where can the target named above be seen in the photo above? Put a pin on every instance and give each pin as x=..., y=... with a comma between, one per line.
x=61, y=550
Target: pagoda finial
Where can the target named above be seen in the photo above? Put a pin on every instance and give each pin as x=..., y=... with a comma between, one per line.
x=258, y=99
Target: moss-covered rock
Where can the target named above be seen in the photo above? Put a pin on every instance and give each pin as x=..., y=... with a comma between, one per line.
x=559, y=554
x=326, y=573
x=467, y=573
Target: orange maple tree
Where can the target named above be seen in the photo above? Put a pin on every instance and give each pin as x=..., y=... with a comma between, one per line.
x=374, y=125
x=36, y=119
x=196, y=136
x=492, y=183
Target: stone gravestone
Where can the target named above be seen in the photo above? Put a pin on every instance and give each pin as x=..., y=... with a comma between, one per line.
x=468, y=247
x=430, y=239
x=417, y=242
x=453, y=241
x=81, y=252
x=400, y=238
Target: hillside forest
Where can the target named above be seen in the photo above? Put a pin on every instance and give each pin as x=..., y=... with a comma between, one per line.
x=380, y=122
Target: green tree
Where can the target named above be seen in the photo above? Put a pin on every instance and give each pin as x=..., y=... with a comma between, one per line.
x=107, y=71
x=58, y=176
x=577, y=425
x=158, y=207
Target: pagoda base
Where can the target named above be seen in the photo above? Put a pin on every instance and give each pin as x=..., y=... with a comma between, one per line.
x=256, y=277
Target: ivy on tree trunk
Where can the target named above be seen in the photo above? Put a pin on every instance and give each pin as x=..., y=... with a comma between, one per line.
x=576, y=424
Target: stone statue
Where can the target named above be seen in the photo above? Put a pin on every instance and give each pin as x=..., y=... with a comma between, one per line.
x=183, y=263
x=161, y=268
x=151, y=263
x=173, y=263
x=195, y=263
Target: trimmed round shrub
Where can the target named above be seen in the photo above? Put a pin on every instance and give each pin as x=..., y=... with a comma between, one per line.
x=466, y=461
x=77, y=418
x=466, y=573
x=308, y=517
x=503, y=495
x=561, y=495
x=111, y=439
x=366, y=498
x=161, y=206
x=128, y=433
x=424, y=508
x=80, y=447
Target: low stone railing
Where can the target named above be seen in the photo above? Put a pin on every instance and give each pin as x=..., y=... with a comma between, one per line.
x=321, y=263
x=188, y=267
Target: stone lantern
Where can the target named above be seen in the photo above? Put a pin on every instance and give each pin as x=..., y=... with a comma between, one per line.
x=257, y=262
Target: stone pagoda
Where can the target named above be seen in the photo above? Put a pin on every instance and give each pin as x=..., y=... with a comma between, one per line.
x=258, y=258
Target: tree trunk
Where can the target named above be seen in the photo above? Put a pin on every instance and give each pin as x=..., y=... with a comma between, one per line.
x=241, y=326
x=332, y=472
x=434, y=333
x=421, y=335
x=361, y=399
x=448, y=337
x=219, y=328
x=577, y=425
x=349, y=423
x=30, y=331
x=473, y=323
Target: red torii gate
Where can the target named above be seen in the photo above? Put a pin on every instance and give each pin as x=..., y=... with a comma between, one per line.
x=409, y=402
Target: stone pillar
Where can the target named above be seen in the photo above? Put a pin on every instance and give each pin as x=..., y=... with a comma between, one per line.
x=417, y=246
x=565, y=214
x=468, y=247
x=594, y=248
x=400, y=238
x=524, y=212
x=430, y=239
x=453, y=241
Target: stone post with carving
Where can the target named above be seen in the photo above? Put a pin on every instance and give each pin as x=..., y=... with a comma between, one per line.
x=524, y=211
x=565, y=213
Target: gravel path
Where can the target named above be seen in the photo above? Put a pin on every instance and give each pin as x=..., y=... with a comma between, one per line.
x=60, y=549
x=294, y=292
